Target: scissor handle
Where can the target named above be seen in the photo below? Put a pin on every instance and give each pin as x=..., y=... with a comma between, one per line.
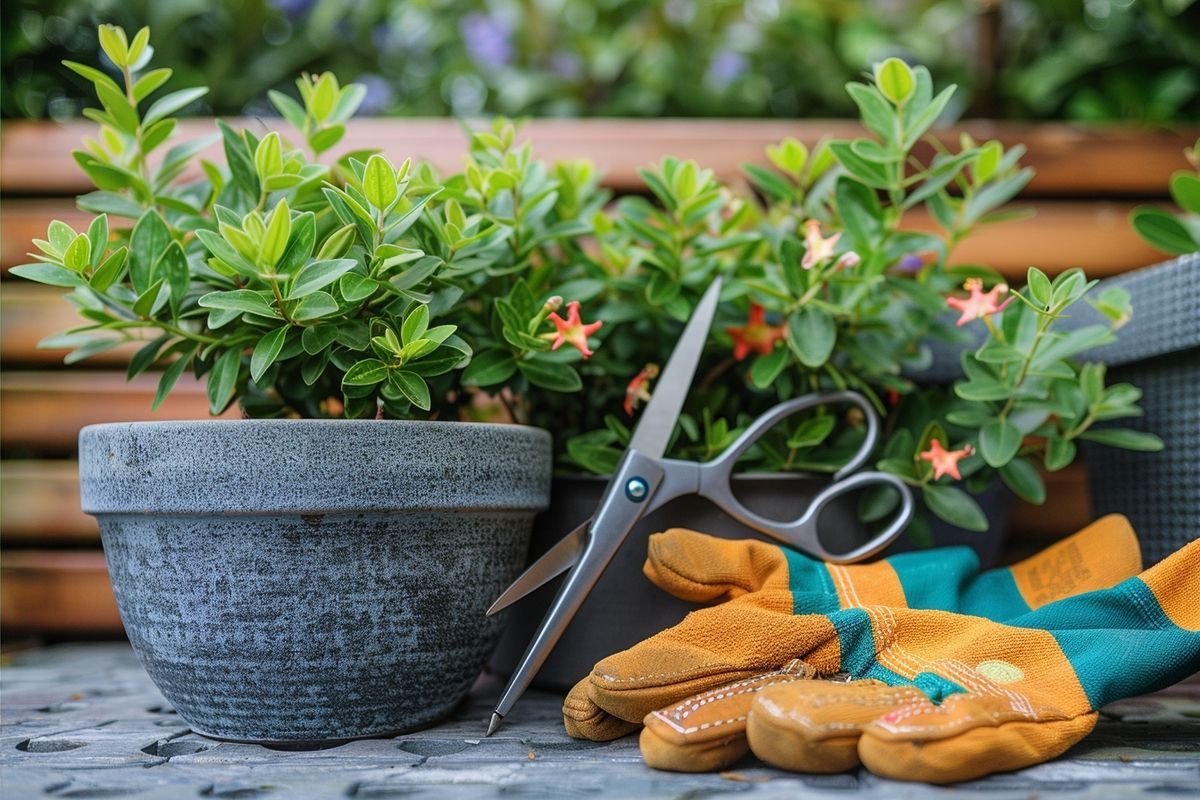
x=801, y=533
x=723, y=464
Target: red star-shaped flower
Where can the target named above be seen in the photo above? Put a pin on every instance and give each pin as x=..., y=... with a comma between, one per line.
x=945, y=462
x=572, y=330
x=638, y=390
x=980, y=303
x=756, y=335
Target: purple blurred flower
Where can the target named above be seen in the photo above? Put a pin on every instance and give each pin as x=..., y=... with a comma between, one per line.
x=384, y=38
x=293, y=9
x=568, y=66
x=378, y=97
x=910, y=263
x=487, y=40
x=725, y=68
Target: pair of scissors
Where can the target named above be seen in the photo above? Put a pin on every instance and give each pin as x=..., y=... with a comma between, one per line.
x=644, y=481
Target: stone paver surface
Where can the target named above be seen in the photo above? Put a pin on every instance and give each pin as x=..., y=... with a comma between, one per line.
x=84, y=721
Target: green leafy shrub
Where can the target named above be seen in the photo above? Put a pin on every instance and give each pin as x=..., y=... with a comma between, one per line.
x=362, y=288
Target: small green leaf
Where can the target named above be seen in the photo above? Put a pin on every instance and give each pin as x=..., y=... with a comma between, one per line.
x=1163, y=231
x=489, y=368
x=379, y=182
x=173, y=268
x=317, y=275
x=110, y=270
x=171, y=375
x=895, y=79
x=279, y=228
x=168, y=104
x=78, y=255
x=767, y=368
x=367, y=372
x=268, y=156
x=415, y=324
x=149, y=301
x=412, y=386
x=149, y=239
x=355, y=287
x=1025, y=481
x=314, y=306
x=551, y=375
x=338, y=243
x=48, y=274
x=245, y=300
x=1039, y=286
x=1059, y=454
x=222, y=381
x=114, y=44
x=97, y=234
x=1185, y=189
x=955, y=506
x=318, y=337
x=1125, y=438
x=812, y=334
x=266, y=351
x=999, y=441
x=152, y=80
x=812, y=431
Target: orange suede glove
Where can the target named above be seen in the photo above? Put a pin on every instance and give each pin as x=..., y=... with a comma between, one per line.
x=944, y=697
x=767, y=588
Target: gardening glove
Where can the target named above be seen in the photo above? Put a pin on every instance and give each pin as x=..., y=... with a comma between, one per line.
x=944, y=697
x=767, y=586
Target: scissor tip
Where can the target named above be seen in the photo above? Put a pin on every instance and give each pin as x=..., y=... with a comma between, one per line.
x=493, y=723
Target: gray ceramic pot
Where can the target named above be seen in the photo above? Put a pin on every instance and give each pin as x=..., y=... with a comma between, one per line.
x=625, y=608
x=312, y=580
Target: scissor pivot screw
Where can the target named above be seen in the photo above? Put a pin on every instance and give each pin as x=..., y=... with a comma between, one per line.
x=636, y=489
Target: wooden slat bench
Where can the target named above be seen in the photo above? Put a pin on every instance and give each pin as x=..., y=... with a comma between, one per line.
x=1087, y=181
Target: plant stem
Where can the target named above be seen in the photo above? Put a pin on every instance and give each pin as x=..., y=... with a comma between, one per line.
x=1043, y=326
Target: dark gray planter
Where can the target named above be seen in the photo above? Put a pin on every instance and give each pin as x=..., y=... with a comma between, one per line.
x=624, y=607
x=312, y=580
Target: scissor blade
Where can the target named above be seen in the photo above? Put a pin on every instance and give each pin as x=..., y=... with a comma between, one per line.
x=553, y=562
x=654, y=429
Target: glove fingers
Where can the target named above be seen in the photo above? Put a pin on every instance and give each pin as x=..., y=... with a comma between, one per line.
x=701, y=568
x=707, y=732
x=815, y=726
x=583, y=719
x=964, y=738
x=710, y=648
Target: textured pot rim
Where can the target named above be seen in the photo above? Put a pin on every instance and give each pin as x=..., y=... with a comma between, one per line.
x=312, y=466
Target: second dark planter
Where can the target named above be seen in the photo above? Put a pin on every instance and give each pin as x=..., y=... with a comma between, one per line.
x=624, y=607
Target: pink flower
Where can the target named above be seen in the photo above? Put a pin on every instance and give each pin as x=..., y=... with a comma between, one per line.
x=945, y=462
x=849, y=259
x=817, y=248
x=572, y=330
x=980, y=303
x=755, y=335
x=638, y=390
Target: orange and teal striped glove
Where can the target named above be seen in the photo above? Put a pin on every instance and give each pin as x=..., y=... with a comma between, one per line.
x=944, y=697
x=766, y=588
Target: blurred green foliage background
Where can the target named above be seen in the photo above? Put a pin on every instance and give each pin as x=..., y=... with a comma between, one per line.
x=1048, y=59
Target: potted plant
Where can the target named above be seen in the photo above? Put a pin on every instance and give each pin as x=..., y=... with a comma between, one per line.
x=508, y=291
x=831, y=289
x=290, y=577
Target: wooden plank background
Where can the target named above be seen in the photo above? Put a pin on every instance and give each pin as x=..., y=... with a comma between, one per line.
x=52, y=578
